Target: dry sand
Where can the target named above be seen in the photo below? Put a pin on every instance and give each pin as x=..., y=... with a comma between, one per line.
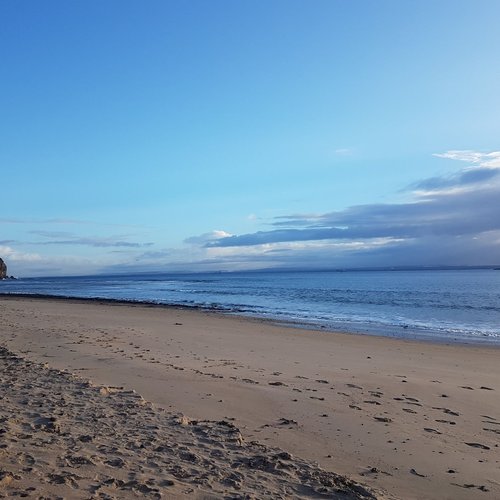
x=406, y=419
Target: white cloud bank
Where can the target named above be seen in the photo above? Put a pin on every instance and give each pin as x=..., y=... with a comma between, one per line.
x=10, y=254
x=485, y=160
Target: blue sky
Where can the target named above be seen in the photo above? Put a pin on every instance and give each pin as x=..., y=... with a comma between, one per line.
x=228, y=135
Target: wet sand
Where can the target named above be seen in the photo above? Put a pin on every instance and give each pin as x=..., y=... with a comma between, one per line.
x=406, y=419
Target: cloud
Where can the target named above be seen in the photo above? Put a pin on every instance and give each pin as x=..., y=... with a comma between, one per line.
x=65, y=238
x=205, y=238
x=22, y=264
x=155, y=255
x=463, y=179
x=97, y=243
x=465, y=205
x=6, y=220
x=62, y=221
x=10, y=254
x=445, y=214
x=483, y=167
x=491, y=160
x=51, y=234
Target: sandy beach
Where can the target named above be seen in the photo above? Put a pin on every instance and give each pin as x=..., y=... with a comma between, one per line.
x=224, y=407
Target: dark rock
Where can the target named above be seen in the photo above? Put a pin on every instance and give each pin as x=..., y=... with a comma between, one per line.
x=3, y=270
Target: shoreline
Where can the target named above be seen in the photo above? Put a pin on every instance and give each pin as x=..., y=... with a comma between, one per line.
x=395, y=415
x=300, y=325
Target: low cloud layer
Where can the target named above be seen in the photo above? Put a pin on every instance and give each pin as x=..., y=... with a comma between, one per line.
x=440, y=213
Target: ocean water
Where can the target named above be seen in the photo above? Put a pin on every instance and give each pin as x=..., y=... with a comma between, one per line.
x=451, y=305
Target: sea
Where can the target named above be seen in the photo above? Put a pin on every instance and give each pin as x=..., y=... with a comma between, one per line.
x=442, y=305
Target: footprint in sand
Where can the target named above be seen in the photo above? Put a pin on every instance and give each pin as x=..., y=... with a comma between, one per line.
x=478, y=445
x=287, y=421
x=354, y=386
x=469, y=486
x=383, y=419
x=409, y=410
x=495, y=431
x=411, y=399
x=249, y=381
x=447, y=411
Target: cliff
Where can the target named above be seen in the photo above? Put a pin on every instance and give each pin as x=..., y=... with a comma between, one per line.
x=3, y=270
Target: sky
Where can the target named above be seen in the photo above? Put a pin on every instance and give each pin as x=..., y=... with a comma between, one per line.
x=232, y=135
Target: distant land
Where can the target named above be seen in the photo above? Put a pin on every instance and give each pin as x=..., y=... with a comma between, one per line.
x=311, y=270
x=5, y=276
x=286, y=270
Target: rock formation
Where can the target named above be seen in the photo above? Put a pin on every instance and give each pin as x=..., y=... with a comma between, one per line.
x=3, y=270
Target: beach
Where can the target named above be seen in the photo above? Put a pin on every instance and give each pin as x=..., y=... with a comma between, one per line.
x=225, y=406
